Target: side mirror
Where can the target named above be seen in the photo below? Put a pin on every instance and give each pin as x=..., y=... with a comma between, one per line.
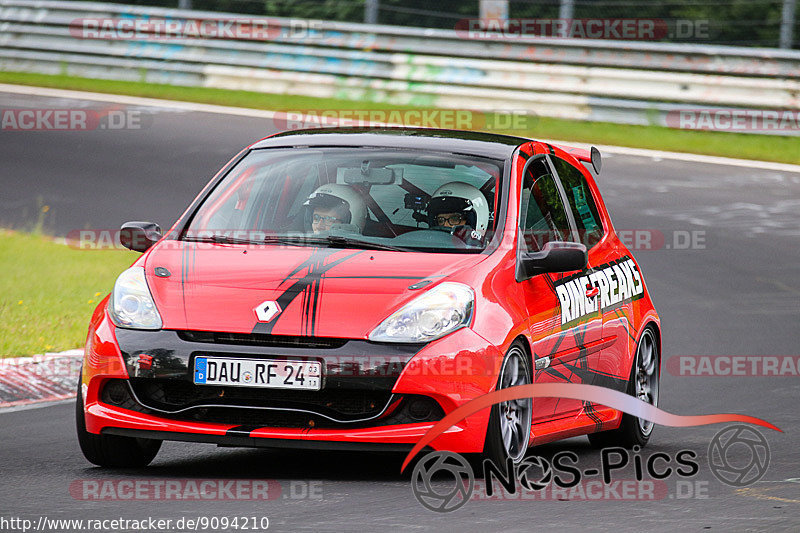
x=597, y=160
x=139, y=236
x=556, y=256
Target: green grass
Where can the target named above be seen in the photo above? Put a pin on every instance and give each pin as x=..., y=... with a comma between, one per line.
x=744, y=146
x=50, y=290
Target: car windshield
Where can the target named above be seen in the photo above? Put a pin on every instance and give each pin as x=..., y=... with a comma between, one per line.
x=356, y=198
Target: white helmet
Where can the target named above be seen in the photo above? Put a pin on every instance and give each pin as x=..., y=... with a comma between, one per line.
x=457, y=197
x=335, y=195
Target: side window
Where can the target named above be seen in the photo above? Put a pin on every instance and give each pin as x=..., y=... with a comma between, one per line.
x=581, y=202
x=542, y=214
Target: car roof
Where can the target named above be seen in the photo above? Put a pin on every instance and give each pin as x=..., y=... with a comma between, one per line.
x=455, y=141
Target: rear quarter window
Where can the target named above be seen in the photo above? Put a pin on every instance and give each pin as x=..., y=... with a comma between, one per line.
x=581, y=202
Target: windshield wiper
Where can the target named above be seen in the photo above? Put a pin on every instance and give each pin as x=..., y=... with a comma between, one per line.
x=349, y=241
x=220, y=239
x=331, y=241
x=334, y=241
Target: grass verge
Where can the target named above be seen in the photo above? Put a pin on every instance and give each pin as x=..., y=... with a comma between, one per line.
x=743, y=146
x=50, y=290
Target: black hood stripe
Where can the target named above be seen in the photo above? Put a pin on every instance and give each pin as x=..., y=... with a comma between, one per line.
x=308, y=285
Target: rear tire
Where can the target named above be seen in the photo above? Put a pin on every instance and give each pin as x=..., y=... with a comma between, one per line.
x=510, y=422
x=643, y=383
x=112, y=450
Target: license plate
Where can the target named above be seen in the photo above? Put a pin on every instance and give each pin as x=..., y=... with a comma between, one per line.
x=266, y=373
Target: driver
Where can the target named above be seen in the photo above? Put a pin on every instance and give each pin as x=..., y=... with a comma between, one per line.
x=455, y=205
x=334, y=204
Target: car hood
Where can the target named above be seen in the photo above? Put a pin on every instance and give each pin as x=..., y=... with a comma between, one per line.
x=325, y=292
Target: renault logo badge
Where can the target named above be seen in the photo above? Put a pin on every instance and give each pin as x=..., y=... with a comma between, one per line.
x=266, y=311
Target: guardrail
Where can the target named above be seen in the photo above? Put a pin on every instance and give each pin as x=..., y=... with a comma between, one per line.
x=598, y=80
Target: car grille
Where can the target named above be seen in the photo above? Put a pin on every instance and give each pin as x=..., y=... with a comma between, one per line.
x=174, y=395
x=261, y=339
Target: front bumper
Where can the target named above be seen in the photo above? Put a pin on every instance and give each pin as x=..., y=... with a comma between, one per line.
x=449, y=371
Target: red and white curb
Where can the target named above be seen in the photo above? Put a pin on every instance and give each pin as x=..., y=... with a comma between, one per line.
x=38, y=379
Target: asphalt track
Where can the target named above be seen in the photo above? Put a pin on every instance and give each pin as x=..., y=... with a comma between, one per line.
x=736, y=293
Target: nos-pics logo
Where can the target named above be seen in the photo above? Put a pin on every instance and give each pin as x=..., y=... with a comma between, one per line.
x=456, y=480
x=444, y=481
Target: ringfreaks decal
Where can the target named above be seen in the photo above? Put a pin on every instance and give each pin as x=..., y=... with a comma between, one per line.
x=616, y=282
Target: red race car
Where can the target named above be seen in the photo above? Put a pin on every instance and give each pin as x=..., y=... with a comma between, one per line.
x=347, y=288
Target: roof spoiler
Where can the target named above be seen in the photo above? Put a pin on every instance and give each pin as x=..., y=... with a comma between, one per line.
x=589, y=156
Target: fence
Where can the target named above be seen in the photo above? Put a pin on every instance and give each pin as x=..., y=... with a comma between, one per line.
x=598, y=80
x=765, y=23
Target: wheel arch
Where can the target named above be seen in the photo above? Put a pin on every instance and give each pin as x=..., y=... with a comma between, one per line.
x=526, y=345
x=652, y=323
x=648, y=322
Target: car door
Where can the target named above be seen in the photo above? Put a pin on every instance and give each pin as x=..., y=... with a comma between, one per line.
x=560, y=337
x=610, y=276
x=611, y=271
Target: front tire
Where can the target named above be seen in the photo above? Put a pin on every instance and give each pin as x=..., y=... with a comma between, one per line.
x=112, y=450
x=510, y=422
x=643, y=383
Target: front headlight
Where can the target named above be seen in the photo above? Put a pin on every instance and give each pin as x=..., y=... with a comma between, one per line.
x=440, y=311
x=131, y=304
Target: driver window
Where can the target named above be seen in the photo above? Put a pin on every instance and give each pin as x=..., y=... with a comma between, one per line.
x=542, y=214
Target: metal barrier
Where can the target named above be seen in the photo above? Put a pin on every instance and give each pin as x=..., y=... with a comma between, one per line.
x=612, y=81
